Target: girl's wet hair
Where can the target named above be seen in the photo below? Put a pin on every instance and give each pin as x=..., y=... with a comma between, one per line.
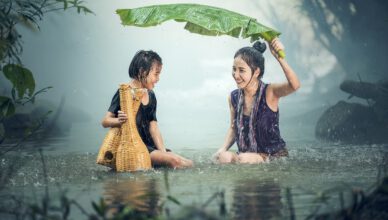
x=141, y=64
x=253, y=56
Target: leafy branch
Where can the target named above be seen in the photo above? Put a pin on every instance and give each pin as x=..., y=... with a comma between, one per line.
x=27, y=13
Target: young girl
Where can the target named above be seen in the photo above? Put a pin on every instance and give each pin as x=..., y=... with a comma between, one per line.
x=144, y=71
x=254, y=108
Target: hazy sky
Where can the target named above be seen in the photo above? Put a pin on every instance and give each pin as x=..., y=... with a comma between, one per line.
x=85, y=58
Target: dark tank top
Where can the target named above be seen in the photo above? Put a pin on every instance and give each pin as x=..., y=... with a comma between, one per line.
x=266, y=127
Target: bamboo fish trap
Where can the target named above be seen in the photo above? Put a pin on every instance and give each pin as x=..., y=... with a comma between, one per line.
x=123, y=148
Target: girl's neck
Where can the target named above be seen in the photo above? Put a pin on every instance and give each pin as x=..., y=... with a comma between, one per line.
x=136, y=84
x=251, y=88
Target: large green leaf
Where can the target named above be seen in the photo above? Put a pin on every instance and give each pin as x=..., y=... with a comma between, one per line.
x=7, y=108
x=21, y=78
x=3, y=48
x=201, y=19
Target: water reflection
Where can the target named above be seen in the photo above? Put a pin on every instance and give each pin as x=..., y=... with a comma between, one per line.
x=256, y=199
x=141, y=194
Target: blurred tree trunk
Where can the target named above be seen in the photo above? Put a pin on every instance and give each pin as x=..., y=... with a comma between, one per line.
x=356, y=32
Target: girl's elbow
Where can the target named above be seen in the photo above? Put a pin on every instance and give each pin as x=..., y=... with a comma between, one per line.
x=104, y=124
x=296, y=86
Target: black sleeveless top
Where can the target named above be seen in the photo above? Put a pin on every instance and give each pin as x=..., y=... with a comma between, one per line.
x=267, y=131
x=145, y=115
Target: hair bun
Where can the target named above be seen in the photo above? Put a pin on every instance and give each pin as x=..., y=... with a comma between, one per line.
x=260, y=46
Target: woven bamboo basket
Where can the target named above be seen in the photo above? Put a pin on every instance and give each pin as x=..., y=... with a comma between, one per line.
x=107, y=154
x=132, y=154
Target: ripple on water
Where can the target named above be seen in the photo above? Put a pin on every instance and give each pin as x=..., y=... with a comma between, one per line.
x=312, y=171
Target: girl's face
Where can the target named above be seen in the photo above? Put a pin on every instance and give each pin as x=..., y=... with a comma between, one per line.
x=153, y=76
x=242, y=73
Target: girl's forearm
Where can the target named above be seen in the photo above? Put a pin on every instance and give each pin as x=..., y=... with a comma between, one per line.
x=229, y=139
x=157, y=137
x=158, y=141
x=291, y=76
x=111, y=122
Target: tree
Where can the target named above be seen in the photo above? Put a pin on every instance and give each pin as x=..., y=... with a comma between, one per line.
x=28, y=13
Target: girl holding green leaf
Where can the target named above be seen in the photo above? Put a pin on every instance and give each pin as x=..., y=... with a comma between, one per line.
x=254, y=108
x=145, y=69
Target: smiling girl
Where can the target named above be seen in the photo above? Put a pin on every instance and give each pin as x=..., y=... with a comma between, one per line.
x=145, y=70
x=254, y=110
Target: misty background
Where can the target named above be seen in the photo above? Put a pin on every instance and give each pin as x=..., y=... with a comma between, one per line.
x=85, y=58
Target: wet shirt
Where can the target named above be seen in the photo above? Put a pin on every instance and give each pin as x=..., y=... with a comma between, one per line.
x=266, y=127
x=145, y=115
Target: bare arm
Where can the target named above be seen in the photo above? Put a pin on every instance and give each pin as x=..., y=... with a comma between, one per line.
x=157, y=136
x=111, y=121
x=292, y=84
x=231, y=134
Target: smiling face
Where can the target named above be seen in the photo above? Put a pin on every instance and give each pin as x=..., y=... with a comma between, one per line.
x=153, y=76
x=242, y=73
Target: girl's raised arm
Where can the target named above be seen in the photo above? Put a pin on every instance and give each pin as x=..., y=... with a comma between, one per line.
x=292, y=84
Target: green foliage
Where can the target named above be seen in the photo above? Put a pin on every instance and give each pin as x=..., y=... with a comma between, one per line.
x=31, y=99
x=169, y=197
x=3, y=48
x=14, y=13
x=7, y=108
x=100, y=208
x=37, y=124
x=173, y=199
x=201, y=19
x=126, y=213
x=106, y=211
x=21, y=79
x=23, y=89
x=27, y=13
x=75, y=4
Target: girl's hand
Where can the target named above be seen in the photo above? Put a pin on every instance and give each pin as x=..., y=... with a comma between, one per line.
x=275, y=45
x=122, y=117
x=217, y=154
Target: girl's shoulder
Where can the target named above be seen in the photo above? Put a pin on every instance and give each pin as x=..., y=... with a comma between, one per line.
x=234, y=92
x=151, y=94
x=234, y=97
